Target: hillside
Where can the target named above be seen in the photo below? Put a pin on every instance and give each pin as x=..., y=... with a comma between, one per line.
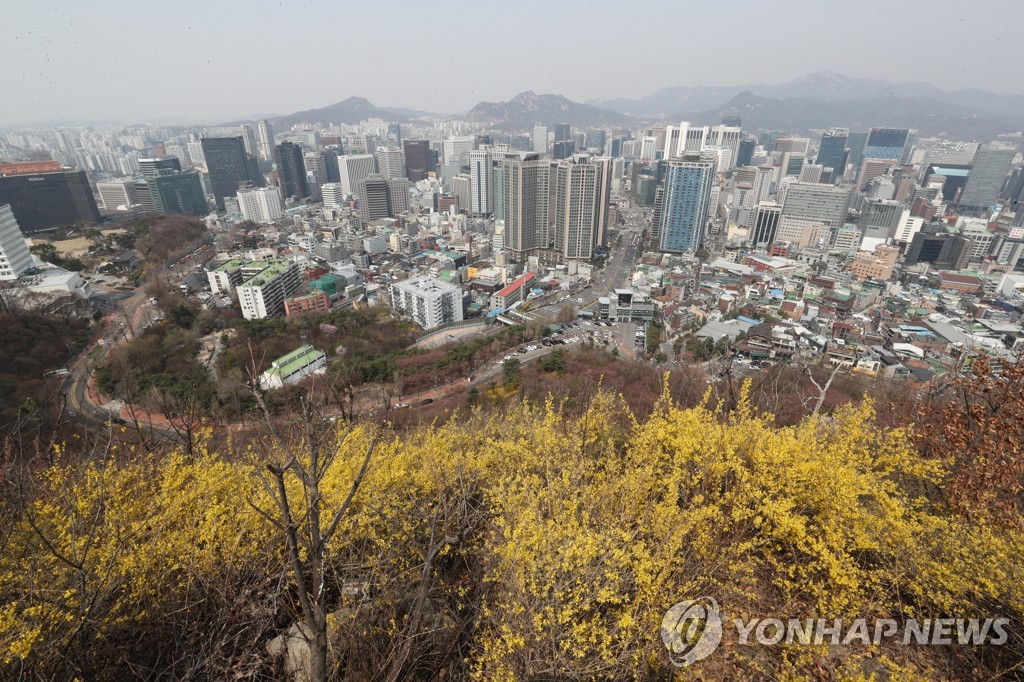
x=350, y=111
x=526, y=542
x=526, y=109
x=930, y=117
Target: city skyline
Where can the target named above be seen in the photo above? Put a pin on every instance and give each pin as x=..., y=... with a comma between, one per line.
x=198, y=64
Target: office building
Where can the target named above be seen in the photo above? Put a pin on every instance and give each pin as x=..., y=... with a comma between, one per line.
x=390, y=162
x=727, y=137
x=427, y=301
x=419, y=160
x=595, y=140
x=526, y=201
x=826, y=203
x=252, y=147
x=811, y=172
x=172, y=193
x=562, y=149
x=562, y=132
x=291, y=171
x=45, y=201
x=745, y=151
x=352, y=168
x=150, y=168
x=766, y=224
x=373, y=198
x=856, y=142
x=229, y=166
x=581, y=188
x=880, y=218
x=262, y=294
x=540, y=139
x=481, y=203
x=332, y=195
x=687, y=202
x=265, y=140
x=117, y=194
x=989, y=172
x=890, y=143
x=833, y=155
x=260, y=204
x=15, y=259
x=461, y=188
x=932, y=244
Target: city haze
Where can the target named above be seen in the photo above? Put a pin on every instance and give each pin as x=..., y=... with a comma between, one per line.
x=214, y=62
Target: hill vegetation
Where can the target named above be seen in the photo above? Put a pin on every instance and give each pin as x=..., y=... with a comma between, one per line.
x=534, y=540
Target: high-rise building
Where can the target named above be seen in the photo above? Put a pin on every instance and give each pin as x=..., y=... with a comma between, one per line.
x=291, y=171
x=418, y=159
x=687, y=203
x=332, y=195
x=989, y=171
x=175, y=193
x=352, y=168
x=150, y=168
x=562, y=149
x=595, y=140
x=266, y=285
x=229, y=167
x=390, y=162
x=252, y=147
x=833, y=154
x=395, y=133
x=15, y=259
x=762, y=187
x=461, y=189
x=480, y=197
x=540, y=139
x=890, y=143
x=44, y=201
x=728, y=137
x=811, y=172
x=579, y=214
x=562, y=132
x=766, y=224
x=260, y=204
x=373, y=197
x=824, y=203
x=116, y=193
x=745, y=151
x=526, y=202
x=265, y=135
x=880, y=218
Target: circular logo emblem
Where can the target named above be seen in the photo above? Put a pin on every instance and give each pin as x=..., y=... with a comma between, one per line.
x=691, y=630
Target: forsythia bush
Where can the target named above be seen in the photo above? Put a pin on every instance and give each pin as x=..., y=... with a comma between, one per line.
x=574, y=535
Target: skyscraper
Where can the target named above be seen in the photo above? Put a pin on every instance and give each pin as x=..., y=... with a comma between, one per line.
x=265, y=133
x=833, y=154
x=390, y=162
x=581, y=188
x=562, y=132
x=595, y=140
x=229, y=166
x=352, y=168
x=687, y=202
x=481, y=202
x=15, y=259
x=260, y=204
x=291, y=172
x=418, y=159
x=540, y=139
x=766, y=224
x=150, y=168
x=527, y=186
x=42, y=201
x=252, y=147
x=174, y=192
x=563, y=149
x=890, y=143
x=989, y=171
x=881, y=217
x=823, y=203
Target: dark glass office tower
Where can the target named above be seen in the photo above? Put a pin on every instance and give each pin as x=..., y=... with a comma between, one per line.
x=229, y=167
x=833, y=155
x=418, y=159
x=46, y=201
x=290, y=170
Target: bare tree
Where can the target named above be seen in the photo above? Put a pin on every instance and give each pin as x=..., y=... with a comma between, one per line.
x=307, y=534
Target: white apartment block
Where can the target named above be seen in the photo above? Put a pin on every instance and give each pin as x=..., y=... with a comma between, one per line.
x=427, y=301
x=15, y=259
x=262, y=295
x=260, y=204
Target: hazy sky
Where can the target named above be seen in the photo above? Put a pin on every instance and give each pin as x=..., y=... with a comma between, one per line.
x=209, y=61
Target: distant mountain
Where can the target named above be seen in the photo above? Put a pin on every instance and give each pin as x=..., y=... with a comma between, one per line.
x=527, y=109
x=798, y=114
x=825, y=86
x=351, y=111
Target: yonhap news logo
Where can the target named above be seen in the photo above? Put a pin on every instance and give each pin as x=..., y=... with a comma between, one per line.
x=692, y=630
